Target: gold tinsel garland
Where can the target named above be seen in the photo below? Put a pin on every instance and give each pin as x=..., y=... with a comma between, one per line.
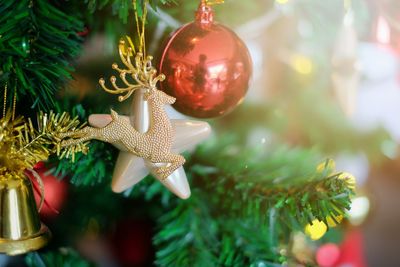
x=22, y=145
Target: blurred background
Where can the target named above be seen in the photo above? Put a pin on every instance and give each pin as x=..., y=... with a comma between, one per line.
x=326, y=78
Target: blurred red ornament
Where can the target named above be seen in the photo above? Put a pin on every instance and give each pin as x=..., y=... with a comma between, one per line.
x=84, y=32
x=55, y=192
x=352, y=250
x=386, y=30
x=327, y=255
x=384, y=34
x=207, y=67
x=132, y=244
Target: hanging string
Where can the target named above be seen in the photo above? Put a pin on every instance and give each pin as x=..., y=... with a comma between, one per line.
x=140, y=27
x=137, y=26
x=14, y=104
x=5, y=101
x=144, y=18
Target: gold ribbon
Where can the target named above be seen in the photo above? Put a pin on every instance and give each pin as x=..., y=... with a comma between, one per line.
x=140, y=27
x=41, y=187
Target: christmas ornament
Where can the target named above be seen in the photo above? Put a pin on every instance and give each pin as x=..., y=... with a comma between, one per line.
x=327, y=255
x=149, y=139
x=207, y=67
x=386, y=30
x=21, y=147
x=146, y=143
x=390, y=10
x=21, y=229
x=382, y=32
x=345, y=73
x=352, y=249
x=55, y=192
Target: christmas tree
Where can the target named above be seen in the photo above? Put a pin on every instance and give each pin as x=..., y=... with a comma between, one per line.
x=260, y=183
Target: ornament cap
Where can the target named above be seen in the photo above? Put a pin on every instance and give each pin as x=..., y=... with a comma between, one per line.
x=204, y=14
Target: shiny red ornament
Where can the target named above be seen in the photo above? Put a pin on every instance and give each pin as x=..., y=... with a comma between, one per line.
x=207, y=67
x=55, y=192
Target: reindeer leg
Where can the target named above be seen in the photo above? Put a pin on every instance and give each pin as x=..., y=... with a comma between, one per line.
x=73, y=142
x=175, y=161
x=87, y=133
x=81, y=132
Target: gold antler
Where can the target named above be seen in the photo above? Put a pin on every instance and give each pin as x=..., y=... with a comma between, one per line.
x=142, y=72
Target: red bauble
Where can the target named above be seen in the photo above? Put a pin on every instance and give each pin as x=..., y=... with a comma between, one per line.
x=327, y=255
x=386, y=31
x=132, y=244
x=208, y=67
x=55, y=192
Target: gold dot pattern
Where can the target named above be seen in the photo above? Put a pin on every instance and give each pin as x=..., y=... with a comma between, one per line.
x=153, y=145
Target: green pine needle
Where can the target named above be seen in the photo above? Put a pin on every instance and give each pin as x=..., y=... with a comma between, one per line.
x=124, y=8
x=61, y=257
x=245, y=204
x=37, y=42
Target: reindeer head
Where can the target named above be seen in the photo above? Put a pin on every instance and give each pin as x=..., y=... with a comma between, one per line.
x=158, y=97
x=138, y=74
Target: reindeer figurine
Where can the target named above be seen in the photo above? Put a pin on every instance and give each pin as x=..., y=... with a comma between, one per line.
x=155, y=144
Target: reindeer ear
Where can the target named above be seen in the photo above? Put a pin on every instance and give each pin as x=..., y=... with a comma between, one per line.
x=171, y=99
x=114, y=115
x=100, y=120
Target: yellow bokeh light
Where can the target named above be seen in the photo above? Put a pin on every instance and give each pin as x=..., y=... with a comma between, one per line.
x=350, y=179
x=316, y=229
x=332, y=223
x=281, y=2
x=302, y=64
x=330, y=165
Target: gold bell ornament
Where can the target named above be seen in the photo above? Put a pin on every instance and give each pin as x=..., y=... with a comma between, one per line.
x=21, y=147
x=21, y=230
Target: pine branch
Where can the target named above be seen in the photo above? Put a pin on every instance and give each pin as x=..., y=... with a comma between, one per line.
x=22, y=145
x=40, y=143
x=188, y=235
x=37, y=42
x=245, y=201
x=241, y=194
x=124, y=8
x=61, y=257
x=282, y=178
x=94, y=167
